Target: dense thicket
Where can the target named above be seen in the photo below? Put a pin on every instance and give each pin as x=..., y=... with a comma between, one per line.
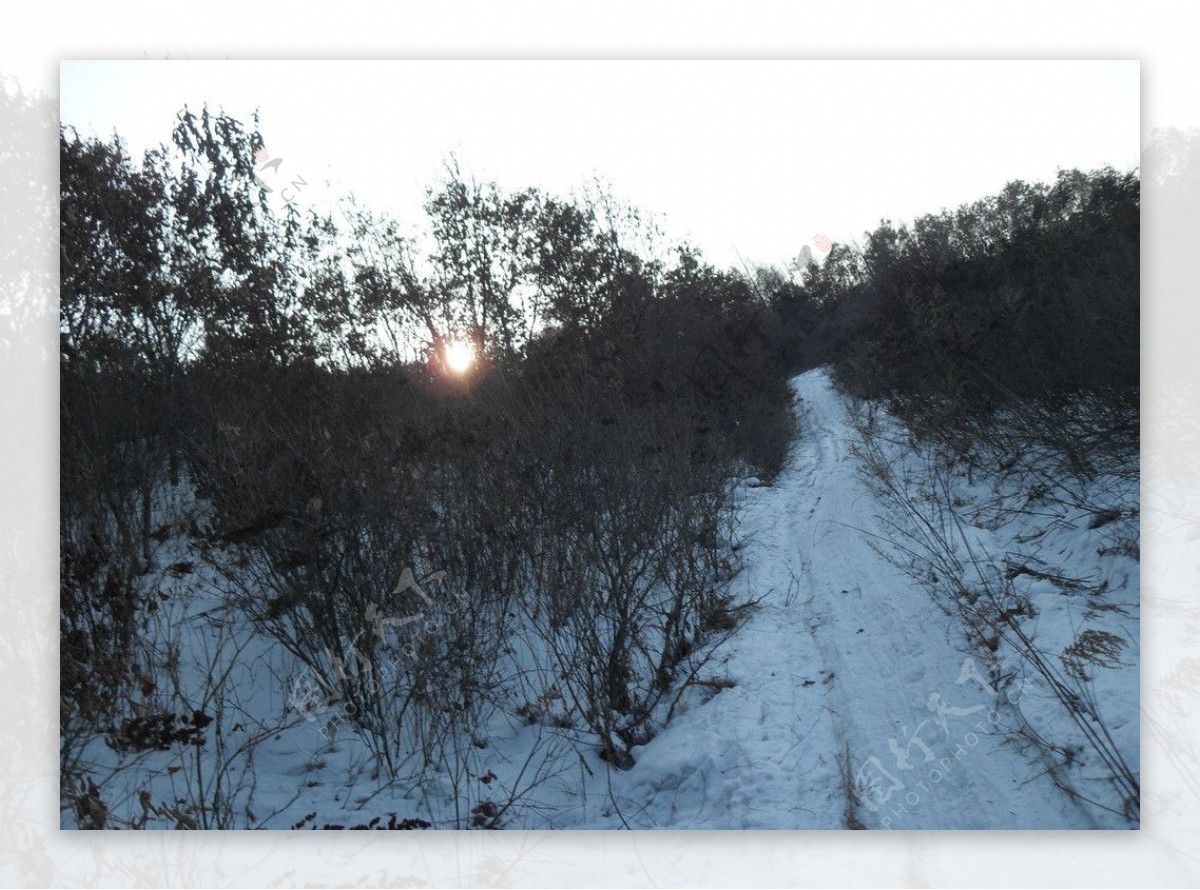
x=1029, y=294
x=290, y=366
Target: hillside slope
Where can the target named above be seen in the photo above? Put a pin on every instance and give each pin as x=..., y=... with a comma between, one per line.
x=846, y=698
x=854, y=703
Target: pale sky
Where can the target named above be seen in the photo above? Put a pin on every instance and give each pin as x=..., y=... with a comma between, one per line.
x=748, y=160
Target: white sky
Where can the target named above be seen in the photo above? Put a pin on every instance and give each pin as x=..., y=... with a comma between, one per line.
x=746, y=159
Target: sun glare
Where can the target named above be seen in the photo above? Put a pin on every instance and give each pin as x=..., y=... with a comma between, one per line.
x=460, y=355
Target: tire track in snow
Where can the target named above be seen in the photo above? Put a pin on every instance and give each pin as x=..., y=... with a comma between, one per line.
x=842, y=654
x=922, y=746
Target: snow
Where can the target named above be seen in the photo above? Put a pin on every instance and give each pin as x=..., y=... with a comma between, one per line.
x=845, y=674
x=846, y=699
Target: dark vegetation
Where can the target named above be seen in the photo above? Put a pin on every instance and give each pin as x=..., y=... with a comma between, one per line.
x=1028, y=296
x=567, y=493
x=564, y=501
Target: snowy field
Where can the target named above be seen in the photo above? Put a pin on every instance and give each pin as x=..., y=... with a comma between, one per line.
x=848, y=697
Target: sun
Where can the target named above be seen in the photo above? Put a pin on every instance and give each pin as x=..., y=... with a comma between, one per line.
x=459, y=355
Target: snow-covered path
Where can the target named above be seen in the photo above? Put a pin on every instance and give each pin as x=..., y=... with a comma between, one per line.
x=853, y=704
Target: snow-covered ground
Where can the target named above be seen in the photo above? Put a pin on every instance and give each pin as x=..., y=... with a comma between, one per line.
x=846, y=699
x=857, y=702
